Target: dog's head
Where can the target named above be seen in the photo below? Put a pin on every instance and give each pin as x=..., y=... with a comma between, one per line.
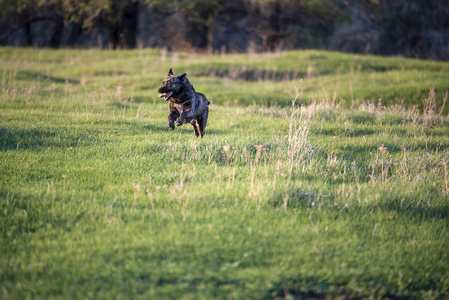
x=173, y=85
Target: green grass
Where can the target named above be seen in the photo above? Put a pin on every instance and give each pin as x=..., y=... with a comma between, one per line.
x=99, y=200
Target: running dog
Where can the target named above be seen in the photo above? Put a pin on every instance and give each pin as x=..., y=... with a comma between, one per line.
x=185, y=104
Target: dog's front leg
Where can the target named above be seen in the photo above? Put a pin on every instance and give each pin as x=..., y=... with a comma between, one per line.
x=187, y=113
x=181, y=119
x=185, y=117
x=174, y=114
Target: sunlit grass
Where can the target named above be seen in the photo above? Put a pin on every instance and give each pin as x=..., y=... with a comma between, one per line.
x=99, y=200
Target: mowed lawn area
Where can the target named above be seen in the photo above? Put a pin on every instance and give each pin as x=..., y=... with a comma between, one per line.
x=341, y=193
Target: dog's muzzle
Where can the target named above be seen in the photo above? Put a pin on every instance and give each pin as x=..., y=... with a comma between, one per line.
x=166, y=96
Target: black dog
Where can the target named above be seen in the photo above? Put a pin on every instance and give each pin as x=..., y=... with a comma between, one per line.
x=186, y=105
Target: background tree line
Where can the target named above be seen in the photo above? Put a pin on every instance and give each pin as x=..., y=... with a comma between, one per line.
x=415, y=28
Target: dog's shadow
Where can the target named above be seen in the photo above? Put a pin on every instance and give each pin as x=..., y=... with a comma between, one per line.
x=215, y=131
x=184, y=129
x=156, y=128
x=187, y=130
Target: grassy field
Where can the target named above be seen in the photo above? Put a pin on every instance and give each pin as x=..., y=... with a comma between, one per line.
x=339, y=195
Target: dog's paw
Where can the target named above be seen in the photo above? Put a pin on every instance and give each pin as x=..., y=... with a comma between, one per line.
x=179, y=123
x=171, y=128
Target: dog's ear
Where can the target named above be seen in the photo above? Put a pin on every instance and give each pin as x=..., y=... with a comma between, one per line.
x=182, y=76
x=170, y=72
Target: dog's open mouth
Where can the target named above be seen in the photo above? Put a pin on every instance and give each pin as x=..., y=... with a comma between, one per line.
x=166, y=96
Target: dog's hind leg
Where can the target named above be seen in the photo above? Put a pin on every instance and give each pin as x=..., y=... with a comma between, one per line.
x=195, y=127
x=199, y=124
x=202, y=122
x=174, y=114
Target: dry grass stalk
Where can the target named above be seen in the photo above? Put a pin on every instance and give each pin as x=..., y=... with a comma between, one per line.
x=253, y=166
x=335, y=94
x=309, y=71
x=286, y=201
x=445, y=175
x=383, y=150
x=352, y=94
x=298, y=131
x=150, y=195
x=430, y=106
x=137, y=190
x=276, y=173
x=430, y=113
x=226, y=150
x=442, y=105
